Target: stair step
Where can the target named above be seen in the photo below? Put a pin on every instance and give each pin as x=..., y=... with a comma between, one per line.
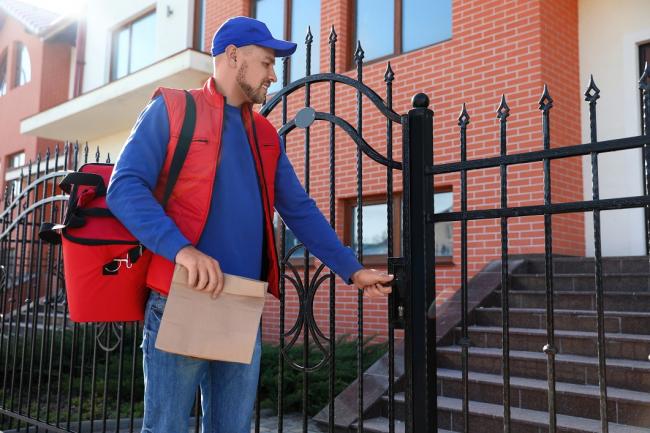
x=380, y=425
x=623, y=346
x=624, y=406
x=489, y=417
x=617, y=301
x=562, y=265
x=612, y=282
x=580, y=320
x=621, y=373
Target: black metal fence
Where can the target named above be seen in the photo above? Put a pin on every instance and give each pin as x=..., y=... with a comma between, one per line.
x=421, y=155
x=61, y=376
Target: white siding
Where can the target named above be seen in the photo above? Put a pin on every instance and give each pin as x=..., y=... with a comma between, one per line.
x=610, y=33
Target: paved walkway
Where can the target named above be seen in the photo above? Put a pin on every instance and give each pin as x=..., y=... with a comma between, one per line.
x=292, y=423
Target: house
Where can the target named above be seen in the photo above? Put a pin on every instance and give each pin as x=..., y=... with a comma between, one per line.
x=461, y=51
x=36, y=48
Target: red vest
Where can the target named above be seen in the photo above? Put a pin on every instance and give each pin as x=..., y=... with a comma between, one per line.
x=190, y=201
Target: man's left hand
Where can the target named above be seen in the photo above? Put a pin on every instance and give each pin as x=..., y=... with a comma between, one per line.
x=373, y=283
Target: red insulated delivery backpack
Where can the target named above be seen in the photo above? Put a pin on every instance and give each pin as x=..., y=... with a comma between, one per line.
x=105, y=266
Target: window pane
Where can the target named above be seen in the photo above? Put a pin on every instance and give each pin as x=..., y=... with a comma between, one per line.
x=3, y=73
x=121, y=54
x=305, y=13
x=24, y=66
x=443, y=203
x=271, y=13
x=143, y=42
x=375, y=27
x=425, y=22
x=375, y=229
x=17, y=160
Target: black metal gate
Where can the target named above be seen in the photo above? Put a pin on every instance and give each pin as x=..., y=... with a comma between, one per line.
x=62, y=376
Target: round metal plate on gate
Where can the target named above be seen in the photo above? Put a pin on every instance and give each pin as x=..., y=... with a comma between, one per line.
x=305, y=117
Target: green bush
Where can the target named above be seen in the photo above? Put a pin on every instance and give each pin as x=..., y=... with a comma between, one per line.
x=49, y=377
x=318, y=380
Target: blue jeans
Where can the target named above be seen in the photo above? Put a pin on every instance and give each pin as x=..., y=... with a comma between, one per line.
x=228, y=389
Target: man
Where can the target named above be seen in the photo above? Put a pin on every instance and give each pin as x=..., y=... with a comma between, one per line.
x=219, y=219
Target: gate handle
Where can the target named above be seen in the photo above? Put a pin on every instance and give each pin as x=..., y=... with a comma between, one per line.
x=396, y=268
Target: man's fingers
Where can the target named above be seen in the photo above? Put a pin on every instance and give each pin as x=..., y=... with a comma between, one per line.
x=212, y=278
x=203, y=278
x=191, y=276
x=220, y=281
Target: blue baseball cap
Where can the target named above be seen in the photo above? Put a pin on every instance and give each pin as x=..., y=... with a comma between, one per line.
x=241, y=31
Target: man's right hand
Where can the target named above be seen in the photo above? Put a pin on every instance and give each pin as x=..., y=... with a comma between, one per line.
x=204, y=272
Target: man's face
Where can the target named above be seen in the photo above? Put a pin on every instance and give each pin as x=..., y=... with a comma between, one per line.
x=256, y=73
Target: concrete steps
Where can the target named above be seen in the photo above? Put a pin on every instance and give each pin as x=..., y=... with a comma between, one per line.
x=577, y=394
x=633, y=322
x=618, y=345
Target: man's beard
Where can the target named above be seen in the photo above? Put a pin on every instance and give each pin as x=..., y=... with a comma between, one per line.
x=256, y=95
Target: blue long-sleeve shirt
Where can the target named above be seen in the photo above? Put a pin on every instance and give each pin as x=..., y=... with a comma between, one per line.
x=233, y=232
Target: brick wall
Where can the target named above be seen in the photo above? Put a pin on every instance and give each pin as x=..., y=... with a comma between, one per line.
x=500, y=46
x=33, y=97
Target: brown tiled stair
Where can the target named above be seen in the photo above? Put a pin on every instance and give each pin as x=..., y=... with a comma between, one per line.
x=627, y=322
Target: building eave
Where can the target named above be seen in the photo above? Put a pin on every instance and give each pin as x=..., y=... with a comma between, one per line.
x=114, y=107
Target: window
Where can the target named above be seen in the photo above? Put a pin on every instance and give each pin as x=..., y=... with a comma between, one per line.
x=15, y=187
x=387, y=27
x=23, y=66
x=644, y=56
x=290, y=240
x=3, y=73
x=289, y=20
x=375, y=226
x=16, y=160
x=134, y=46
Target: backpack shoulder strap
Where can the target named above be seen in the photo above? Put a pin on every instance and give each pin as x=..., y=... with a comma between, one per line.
x=183, y=146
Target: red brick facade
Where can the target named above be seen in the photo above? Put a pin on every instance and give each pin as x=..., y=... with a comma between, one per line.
x=510, y=47
x=47, y=88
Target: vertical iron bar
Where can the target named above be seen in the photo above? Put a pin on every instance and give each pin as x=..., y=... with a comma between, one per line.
x=358, y=58
x=134, y=355
x=20, y=271
x=5, y=254
x=46, y=304
x=93, y=380
x=307, y=305
x=463, y=121
x=332, y=304
x=73, y=358
x=285, y=80
x=52, y=294
x=545, y=104
x=420, y=361
x=591, y=95
x=82, y=375
x=502, y=113
x=27, y=301
x=119, y=378
x=644, y=86
x=107, y=330
x=389, y=76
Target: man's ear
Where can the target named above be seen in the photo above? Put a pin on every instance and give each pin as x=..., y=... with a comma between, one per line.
x=231, y=55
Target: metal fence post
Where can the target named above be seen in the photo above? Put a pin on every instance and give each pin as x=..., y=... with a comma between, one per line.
x=419, y=335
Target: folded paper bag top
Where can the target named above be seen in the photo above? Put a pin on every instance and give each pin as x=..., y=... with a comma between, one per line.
x=223, y=329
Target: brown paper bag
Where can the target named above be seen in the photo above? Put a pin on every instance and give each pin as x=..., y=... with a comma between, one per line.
x=224, y=329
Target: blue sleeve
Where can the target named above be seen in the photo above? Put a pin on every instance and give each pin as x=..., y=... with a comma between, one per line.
x=135, y=175
x=302, y=216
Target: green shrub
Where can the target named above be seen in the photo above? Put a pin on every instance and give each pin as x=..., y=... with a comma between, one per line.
x=318, y=380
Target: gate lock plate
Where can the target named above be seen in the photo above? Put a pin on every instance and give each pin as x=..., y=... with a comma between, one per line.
x=396, y=268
